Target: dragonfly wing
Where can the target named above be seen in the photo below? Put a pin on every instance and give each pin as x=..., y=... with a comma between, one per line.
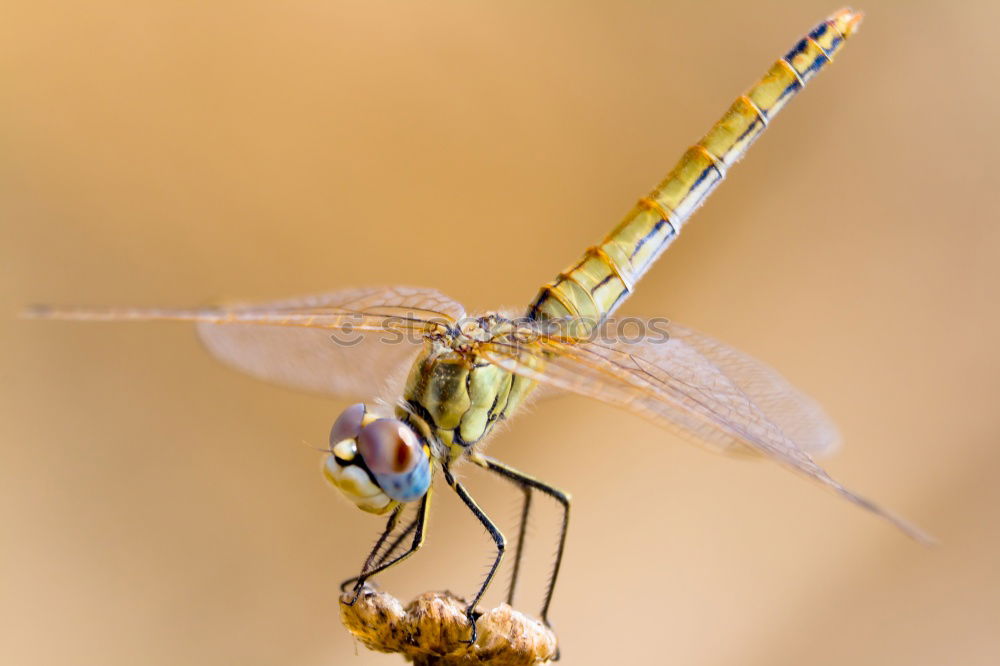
x=676, y=385
x=798, y=416
x=346, y=343
x=688, y=408
x=347, y=361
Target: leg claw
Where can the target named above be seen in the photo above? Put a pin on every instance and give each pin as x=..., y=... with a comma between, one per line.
x=473, y=617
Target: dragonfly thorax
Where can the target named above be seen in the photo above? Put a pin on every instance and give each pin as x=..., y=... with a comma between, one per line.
x=458, y=393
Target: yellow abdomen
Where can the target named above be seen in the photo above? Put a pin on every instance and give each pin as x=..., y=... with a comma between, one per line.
x=599, y=282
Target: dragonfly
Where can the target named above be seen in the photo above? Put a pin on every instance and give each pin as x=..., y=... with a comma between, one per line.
x=458, y=376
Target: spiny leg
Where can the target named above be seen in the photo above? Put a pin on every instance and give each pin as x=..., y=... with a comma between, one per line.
x=528, y=483
x=498, y=539
x=519, y=549
x=418, y=541
x=390, y=525
x=393, y=547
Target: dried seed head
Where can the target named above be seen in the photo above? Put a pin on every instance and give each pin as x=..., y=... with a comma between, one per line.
x=430, y=630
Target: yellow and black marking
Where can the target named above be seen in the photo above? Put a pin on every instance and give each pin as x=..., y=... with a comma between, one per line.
x=592, y=288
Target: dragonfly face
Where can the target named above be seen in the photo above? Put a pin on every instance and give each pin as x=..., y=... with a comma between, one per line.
x=376, y=462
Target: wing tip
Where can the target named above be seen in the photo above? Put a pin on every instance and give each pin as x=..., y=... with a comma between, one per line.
x=906, y=527
x=37, y=311
x=913, y=531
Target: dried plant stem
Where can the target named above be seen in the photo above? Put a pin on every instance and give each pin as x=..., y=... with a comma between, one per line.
x=429, y=631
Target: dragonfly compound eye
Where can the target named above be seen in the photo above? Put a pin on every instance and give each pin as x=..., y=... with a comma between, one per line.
x=346, y=470
x=348, y=424
x=396, y=458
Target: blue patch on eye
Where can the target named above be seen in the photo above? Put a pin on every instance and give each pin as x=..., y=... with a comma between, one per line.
x=409, y=486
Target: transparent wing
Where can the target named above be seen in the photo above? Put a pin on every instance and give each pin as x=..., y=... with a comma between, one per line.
x=798, y=416
x=349, y=361
x=677, y=385
x=346, y=343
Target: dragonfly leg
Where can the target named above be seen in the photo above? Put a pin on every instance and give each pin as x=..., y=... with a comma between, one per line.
x=393, y=547
x=529, y=483
x=367, y=571
x=522, y=530
x=498, y=539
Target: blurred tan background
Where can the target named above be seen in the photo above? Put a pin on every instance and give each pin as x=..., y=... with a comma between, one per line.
x=158, y=508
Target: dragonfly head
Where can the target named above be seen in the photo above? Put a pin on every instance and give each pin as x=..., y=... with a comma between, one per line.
x=376, y=462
